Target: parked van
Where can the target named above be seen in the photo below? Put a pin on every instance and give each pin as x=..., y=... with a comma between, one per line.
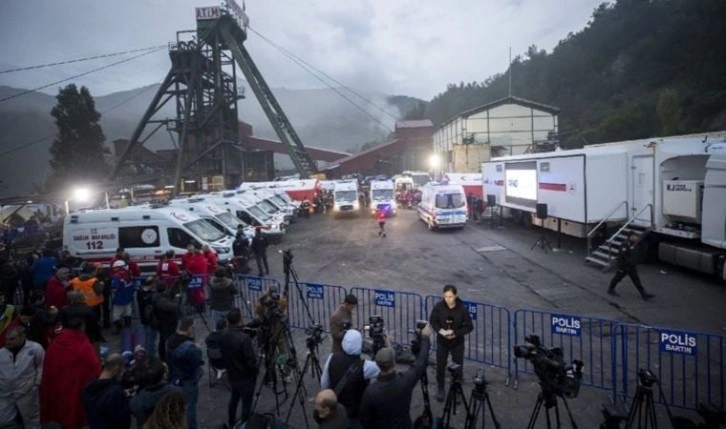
x=250, y=197
x=145, y=233
x=288, y=210
x=221, y=218
x=248, y=213
x=382, y=196
x=443, y=206
x=345, y=197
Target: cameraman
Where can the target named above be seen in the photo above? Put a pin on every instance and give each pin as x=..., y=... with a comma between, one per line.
x=348, y=375
x=386, y=403
x=271, y=309
x=241, y=363
x=451, y=321
x=341, y=321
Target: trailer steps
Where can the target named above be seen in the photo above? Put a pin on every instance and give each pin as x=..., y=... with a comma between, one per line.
x=607, y=253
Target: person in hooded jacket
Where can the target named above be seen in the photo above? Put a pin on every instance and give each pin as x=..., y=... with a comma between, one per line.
x=337, y=365
x=143, y=404
x=43, y=269
x=221, y=298
x=197, y=267
x=70, y=364
x=450, y=319
x=21, y=367
x=55, y=293
x=122, y=287
x=104, y=399
x=185, y=365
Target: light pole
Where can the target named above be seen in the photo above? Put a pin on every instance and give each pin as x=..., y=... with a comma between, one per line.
x=435, y=164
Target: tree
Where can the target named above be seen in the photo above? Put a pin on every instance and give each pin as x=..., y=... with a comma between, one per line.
x=667, y=110
x=77, y=153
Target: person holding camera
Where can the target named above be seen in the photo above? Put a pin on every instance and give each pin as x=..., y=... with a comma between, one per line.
x=451, y=321
x=348, y=375
x=241, y=364
x=387, y=402
x=341, y=321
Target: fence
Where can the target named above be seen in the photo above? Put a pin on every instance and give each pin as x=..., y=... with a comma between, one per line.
x=320, y=303
x=249, y=289
x=399, y=310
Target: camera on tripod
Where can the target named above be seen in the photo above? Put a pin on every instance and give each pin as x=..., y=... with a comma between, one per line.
x=550, y=367
x=480, y=381
x=315, y=336
x=647, y=378
x=416, y=343
x=376, y=332
x=286, y=259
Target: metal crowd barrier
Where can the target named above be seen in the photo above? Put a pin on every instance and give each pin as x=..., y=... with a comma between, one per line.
x=399, y=311
x=587, y=339
x=322, y=300
x=688, y=365
x=490, y=341
x=249, y=289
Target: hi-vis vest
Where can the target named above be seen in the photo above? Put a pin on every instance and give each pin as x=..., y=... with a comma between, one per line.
x=91, y=299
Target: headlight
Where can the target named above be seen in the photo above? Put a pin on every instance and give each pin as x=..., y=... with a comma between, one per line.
x=393, y=206
x=221, y=250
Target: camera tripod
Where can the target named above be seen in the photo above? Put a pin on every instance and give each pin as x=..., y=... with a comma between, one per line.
x=548, y=398
x=290, y=273
x=455, y=392
x=543, y=243
x=312, y=363
x=478, y=402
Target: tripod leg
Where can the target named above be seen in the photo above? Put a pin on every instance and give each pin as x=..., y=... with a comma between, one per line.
x=491, y=411
x=535, y=412
x=569, y=414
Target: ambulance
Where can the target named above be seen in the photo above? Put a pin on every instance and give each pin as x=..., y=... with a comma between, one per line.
x=145, y=233
x=443, y=206
x=217, y=216
x=345, y=197
x=382, y=196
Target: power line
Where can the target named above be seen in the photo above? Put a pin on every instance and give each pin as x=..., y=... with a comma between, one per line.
x=110, y=109
x=306, y=66
x=114, y=54
x=30, y=91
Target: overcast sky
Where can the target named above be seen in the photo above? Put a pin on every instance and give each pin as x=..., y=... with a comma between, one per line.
x=401, y=47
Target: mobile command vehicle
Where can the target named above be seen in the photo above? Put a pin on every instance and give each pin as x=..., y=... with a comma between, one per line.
x=383, y=197
x=671, y=191
x=248, y=213
x=145, y=233
x=470, y=181
x=221, y=219
x=345, y=197
x=443, y=206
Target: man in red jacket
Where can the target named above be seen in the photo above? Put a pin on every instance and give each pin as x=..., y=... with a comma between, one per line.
x=211, y=257
x=197, y=267
x=70, y=364
x=58, y=286
x=167, y=270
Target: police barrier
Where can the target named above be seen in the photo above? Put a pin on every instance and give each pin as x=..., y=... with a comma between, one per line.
x=490, y=341
x=583, y=338
x=322, y=300
x=688, y=365
x=399, y=311
x=249, y=289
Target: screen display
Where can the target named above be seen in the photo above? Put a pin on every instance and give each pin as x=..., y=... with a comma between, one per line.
x=521, y=184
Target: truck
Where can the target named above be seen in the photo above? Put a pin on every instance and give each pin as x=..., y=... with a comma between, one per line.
x=382, y=196
x=345, y=197
x=671, y=191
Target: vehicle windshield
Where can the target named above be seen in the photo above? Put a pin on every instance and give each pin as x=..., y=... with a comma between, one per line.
x=267, y=207
x=259, y=214
x=278, y=201
x=204, y=230
x=346, y=196
x=449, y=201
x=420, y=179
x=217, y=224
x=229, y=219
x=382, y=194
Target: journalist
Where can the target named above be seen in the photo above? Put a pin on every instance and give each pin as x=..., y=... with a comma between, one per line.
x=271, y=309
x=341, y=321
x=451, y=321
x=387, y=402
x=241, y=363
x=348, y=375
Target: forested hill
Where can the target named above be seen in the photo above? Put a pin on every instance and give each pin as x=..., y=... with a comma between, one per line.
x=639, y=68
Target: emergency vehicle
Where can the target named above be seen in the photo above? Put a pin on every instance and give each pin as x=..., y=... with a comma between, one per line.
x=221, y=218
x=345, y=197
x=145, y=233
x=443, y=206
x=249, y=214
x=382, y=196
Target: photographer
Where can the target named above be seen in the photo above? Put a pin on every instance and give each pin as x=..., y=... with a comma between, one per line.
x=241, y=363
x=451, y=321
x=348, y=375
x=387, y=402
x=341, y=321
x=271, y=309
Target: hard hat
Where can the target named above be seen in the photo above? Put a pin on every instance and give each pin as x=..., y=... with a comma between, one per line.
x=118, y=264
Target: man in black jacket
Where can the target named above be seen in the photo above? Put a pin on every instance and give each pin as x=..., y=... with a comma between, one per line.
x=166, y=314
x=451, y=321
x=241, y=363
x=104, y=400
x=627, y=266
x=259, y=247
x=387, y=402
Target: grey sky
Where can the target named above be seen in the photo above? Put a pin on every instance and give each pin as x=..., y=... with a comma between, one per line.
x=407, y=47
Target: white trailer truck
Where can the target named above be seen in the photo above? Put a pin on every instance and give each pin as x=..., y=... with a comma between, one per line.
x=674, y=187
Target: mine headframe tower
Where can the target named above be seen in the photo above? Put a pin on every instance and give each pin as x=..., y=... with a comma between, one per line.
x=202, y=81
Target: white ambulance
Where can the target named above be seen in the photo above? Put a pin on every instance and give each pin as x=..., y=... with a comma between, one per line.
x=219, y=217
x=443, y=206
x=383, y=196
x=345, y=197
x=145, y=233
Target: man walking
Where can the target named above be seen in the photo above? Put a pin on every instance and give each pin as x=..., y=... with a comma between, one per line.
x=104, y=398
x=627, y=266
x=381, y=217
x=241, y=364
x=21, y=368
x=259, y=247
x=185, y=366
x=387, y=402
x=341, y=321
x=451, y=321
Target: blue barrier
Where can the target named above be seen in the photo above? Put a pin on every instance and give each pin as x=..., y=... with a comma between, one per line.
x=688, y=365
x=588, y=339
x=490, y=342
x=249, y=289
x=399, y=310
x=322, y=300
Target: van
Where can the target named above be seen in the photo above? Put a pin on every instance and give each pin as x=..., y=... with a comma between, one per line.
x=382, y=196
x=252, y=198
x=145, y=233
x=345, y=197
x=443, y=206
x=219, y=217
x=288, y=210
x=248, y=213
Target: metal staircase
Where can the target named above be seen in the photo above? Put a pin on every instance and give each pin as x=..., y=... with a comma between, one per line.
x=606, y=254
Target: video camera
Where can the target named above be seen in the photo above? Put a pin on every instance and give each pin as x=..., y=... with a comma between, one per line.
x=647, y=378
x=271, y=303
x=315, y=336
x=286, y=260
x=416, y=343
x=376, y=332
x=549, y=365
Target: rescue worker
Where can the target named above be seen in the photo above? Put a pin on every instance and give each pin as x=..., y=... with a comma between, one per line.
x=122, y=288
x=92, y=290
x=381, y=217
x=167, y=270
x=627, y=266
